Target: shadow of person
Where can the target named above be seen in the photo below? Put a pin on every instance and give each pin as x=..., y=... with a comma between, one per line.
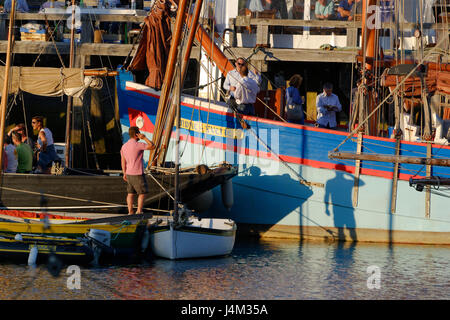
x=338, y=195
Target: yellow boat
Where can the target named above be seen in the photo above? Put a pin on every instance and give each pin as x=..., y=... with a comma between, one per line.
x=39, y=247
x=125, y=231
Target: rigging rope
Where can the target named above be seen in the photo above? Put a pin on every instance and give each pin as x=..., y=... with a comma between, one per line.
x=397, y=88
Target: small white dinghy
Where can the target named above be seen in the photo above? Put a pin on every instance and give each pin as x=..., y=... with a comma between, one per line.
x=192, y=237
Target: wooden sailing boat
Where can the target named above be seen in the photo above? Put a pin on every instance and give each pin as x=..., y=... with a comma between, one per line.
x=183, y=235
x=288, y=187
x=79, y=190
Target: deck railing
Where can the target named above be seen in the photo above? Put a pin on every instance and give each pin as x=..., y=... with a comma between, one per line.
x=285, y=40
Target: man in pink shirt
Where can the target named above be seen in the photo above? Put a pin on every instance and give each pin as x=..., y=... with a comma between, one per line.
x=131, y=155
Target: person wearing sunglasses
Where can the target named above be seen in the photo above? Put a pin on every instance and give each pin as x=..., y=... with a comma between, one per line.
x=234, y=77
x=234, y=80
x=245, y=93
x=44, y=146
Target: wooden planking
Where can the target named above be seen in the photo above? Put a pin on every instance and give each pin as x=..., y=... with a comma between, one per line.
x=244, y=21
x=428, y=188
x=121, y=50
x=306, y=55
x=357, y=172
x=87, y=49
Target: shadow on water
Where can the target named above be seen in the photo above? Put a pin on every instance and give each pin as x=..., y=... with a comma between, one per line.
x=338, y=195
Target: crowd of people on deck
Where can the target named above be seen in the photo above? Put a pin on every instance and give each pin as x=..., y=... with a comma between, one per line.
x=243, y=85
x=293, y=9
x=326, y=9
x=23, y=155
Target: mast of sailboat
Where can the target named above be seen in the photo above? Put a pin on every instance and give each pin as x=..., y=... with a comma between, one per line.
x=6, y=80
x=67, y=154
x=178, y=85
x=193, y=21
x=160, y=124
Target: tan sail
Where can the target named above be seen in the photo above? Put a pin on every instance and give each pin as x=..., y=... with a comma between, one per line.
x=49, y=82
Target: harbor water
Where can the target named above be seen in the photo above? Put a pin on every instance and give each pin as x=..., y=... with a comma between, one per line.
x=255, y=270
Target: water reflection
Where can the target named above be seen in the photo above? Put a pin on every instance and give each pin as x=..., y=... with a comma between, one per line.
x=255, y=270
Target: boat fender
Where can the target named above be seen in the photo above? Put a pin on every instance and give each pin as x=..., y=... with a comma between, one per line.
x=227, y=193
x=102, y=236
x=97, y=251
x=18, y=237
x=32, y=257
x=145, y=241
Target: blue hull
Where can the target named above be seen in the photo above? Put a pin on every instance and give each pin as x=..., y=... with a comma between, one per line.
x=287, y=186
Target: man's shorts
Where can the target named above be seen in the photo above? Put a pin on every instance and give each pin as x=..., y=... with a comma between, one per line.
x=137, y=184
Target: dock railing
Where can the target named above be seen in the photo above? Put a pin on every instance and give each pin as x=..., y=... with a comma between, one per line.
x=317, y=40
x=85, y=47
x=282, y=39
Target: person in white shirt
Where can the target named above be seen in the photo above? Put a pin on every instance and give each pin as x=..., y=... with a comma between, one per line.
x=327, y=104
x=233, y=77
x=245, y=93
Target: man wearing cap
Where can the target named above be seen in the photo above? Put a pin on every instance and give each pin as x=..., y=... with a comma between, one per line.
x=131, y=154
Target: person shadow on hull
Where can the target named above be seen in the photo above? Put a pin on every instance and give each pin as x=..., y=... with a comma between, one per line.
x=338, y=196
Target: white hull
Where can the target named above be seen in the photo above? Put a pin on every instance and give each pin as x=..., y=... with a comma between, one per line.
x=203, y=238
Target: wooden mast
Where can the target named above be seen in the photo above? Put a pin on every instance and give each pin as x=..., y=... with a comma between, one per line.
x=6, y=80
x=178, y=86
x=369, y=38
x=67, y=157
x=193, y=22
x=167, y=85
x=370, y=60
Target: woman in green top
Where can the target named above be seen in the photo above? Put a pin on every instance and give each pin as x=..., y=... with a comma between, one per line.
x=24, y=154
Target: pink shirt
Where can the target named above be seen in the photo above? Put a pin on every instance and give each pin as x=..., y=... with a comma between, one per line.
x=133, y=152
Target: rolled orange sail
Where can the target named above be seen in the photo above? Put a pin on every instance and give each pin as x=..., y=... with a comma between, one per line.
x=369, y=45
x=213, y=51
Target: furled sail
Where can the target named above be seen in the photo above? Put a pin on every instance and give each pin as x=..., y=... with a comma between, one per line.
x=49, y=82
x=154, y=46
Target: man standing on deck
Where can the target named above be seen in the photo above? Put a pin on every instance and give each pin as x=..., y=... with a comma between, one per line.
x=234, y=79
x=327, y=104
x=131, y=154
x=234, y=76
x=245, y=93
